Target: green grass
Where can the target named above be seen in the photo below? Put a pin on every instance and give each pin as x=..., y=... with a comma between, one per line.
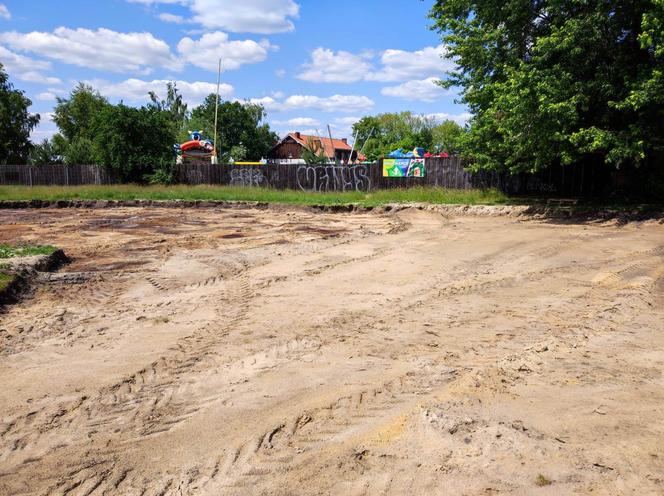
x=5, y=280
x=9, y=251
x=228, y=193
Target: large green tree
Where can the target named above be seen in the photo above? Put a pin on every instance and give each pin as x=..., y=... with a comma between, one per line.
x=558, y=81
x=133, y=142
x=74, y=117
x=16, y=123
x=240, y=123
x=378, y=135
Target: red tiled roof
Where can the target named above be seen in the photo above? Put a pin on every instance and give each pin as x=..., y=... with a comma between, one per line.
x=330, y=146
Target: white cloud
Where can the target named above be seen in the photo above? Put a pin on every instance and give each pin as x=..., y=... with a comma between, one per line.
x=400, y=65
x=4, y=12
x=460, y=119
x=335, y=103
x=327, y=66
x=136, y=90
x=206, y=51
x=102, y=49
x=25, y=68
x=46, y=96
x=175, y=19
x=247, y=16
x=280, y=73
x=426, y=90
x=298, y=122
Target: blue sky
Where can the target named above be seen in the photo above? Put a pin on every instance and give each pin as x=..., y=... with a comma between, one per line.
x=309, y=62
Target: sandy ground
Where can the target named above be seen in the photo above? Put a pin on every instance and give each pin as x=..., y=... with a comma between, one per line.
x=283, y=352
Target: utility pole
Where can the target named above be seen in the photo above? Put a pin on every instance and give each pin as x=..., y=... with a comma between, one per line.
x=215, y=157
x=350, y=159
x=334, y=154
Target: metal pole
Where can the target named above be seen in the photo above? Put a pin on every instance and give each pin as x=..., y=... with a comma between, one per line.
x=350, y=159
x=329, y=132
x=215, y=158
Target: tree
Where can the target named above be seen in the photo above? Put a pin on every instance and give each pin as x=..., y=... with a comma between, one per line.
x=133, y=142
x=446, y=137
x=74, y=115
x=173, y=105
x=384, y=133
x=558, y=82
x=16, y=123
x=45, y=153
x=239, y=124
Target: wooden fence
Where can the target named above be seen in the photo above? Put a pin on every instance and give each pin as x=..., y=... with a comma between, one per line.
x=55, y=175
x=440, y=172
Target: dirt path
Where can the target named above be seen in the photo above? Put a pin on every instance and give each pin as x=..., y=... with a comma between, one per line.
x=287, y=352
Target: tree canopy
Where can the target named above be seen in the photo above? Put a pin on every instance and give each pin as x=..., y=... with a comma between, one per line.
x=557, y=81
x=383, y=133
x=240, y=123
x=16, y=123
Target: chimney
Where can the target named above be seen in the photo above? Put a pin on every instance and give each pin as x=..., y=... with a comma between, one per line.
x=345, y=140
x=298, y=135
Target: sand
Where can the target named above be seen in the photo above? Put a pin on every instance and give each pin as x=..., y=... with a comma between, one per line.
x=287, y=352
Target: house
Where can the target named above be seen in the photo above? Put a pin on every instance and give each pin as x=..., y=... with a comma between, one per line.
x=289, y=149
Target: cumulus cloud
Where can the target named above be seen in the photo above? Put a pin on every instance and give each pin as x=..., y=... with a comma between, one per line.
x=298, y=122
x=460, y=119
x=136, y=90
x=205, y=52
x=25, y=68
x=4, y=12
x=327, y=66
x=102, y=49
x=335, y=103
x=46, y=96
x=401, y=65
x=175, y=19
x=247, y=16
x=425, y=90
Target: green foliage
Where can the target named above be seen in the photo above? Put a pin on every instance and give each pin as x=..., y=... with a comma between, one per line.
x=16, y=122
x=391, y=131
x=239, y=124
x=46, y=152
x=133, y=142
x=162, y=175
x=5, y=279
x=80, y=150
x=557, y=82
x=237, y=153
x=10, y=251
x=447, y=137
x=75, y=115
x=173, y=105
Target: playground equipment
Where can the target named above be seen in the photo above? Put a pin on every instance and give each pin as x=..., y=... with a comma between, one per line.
x=197, y=148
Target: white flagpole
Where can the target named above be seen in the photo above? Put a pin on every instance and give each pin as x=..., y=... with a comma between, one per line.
x=215, y=158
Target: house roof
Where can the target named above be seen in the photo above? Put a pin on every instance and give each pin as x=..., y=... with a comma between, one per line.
x=330, y=145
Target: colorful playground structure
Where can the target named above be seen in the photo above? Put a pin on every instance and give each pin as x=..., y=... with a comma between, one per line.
x=196, y=149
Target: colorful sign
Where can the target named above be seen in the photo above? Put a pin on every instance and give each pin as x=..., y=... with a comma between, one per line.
x=404, y=167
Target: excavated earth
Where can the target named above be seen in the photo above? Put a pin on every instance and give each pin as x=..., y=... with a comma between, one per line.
x=258, y=351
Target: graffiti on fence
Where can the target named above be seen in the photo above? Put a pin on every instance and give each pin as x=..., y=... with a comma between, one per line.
x=248, y=177
x=404, y=167
x=333, y=178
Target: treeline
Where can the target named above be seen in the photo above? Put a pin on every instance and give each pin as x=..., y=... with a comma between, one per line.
x=381, y=134
x=136, y=143
x=562, y=83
